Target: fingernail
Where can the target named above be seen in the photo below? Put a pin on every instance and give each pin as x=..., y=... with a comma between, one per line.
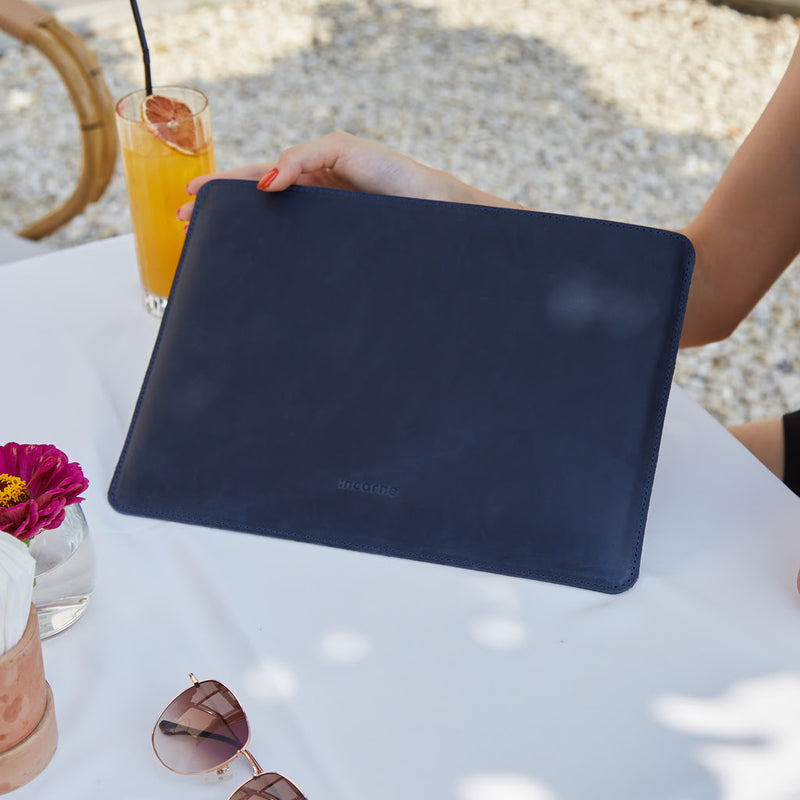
x=268, y=178
x=178, y=213
x=185, y=228
x=186, y=189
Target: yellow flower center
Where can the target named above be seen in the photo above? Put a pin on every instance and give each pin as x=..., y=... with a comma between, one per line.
x=13, y=490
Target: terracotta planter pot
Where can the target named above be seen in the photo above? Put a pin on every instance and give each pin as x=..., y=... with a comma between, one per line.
x=28, y=734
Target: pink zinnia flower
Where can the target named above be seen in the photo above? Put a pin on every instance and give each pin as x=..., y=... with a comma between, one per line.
x=37, y=482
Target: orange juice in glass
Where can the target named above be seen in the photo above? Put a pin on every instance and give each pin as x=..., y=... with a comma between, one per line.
x=165, y=139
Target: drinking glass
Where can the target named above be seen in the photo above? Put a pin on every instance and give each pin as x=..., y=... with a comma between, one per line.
x=165, y=139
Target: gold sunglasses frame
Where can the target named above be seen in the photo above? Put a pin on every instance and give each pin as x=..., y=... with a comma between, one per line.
x=223, y=768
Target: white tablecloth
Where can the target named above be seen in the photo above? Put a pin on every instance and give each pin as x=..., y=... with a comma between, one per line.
x=368, y=677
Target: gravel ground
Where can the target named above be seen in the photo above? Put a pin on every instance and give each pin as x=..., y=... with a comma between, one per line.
x=627, y=110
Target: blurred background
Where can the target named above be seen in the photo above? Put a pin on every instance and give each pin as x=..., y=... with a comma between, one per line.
x=626, y=110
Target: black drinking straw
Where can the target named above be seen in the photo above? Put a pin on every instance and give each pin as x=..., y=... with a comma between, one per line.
x=148, y=83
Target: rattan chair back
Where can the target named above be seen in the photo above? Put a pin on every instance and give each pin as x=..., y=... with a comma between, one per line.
x=90, y=97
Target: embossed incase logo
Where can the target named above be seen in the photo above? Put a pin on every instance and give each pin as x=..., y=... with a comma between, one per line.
x=367, y=487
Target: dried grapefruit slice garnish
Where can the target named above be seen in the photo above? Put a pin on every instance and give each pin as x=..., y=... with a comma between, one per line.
x=172, y=122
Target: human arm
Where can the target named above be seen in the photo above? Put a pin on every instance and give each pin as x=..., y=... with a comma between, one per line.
x=748, y=231
x=744, y=236
x=342, y=161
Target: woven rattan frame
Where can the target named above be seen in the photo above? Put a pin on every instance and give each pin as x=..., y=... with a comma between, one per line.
x=90, y=97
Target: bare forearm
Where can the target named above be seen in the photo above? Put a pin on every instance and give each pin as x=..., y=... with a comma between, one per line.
x=457, y=191
x=748, y=231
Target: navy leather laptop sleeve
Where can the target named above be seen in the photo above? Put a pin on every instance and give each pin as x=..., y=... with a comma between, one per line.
x=466, y=385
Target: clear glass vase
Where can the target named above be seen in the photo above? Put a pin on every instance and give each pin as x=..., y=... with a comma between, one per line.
x=64, y=572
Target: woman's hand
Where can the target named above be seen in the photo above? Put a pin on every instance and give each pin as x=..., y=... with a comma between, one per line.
x=342, y=161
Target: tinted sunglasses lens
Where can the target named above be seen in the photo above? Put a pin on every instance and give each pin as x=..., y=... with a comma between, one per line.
x=201, y=729
x=269, y=786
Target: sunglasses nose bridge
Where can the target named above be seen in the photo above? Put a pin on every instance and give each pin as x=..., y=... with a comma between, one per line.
x=254, y=765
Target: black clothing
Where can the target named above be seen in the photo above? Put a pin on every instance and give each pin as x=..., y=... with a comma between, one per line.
x=791, y=449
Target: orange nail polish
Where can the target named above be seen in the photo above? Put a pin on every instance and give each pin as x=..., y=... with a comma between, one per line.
x=268, y=178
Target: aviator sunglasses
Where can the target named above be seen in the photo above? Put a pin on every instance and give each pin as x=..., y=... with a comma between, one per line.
x=203, y=729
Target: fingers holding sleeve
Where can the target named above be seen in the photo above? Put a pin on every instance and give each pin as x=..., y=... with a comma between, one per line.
x=251, y=172
x=318, y=163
